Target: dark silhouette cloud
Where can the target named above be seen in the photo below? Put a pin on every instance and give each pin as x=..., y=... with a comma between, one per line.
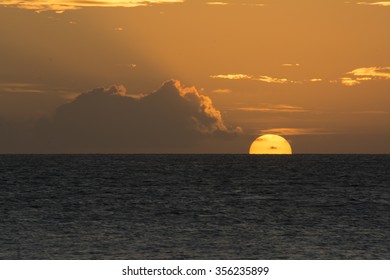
x=107, y=120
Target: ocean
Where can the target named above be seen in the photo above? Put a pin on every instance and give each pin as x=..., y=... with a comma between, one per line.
x=194, y=207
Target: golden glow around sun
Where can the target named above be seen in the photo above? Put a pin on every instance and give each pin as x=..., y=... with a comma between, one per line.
x=270, y=144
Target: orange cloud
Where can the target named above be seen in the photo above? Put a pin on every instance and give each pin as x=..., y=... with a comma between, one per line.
x=375, y=72
x=33, y=89
x=366, y=74
x=266, y=79
x=274, y=108
x=222, y=90
x=217, y=3
x=20, y=88
x=383, y=3
x=293, y=131
x=211, y=120
x=60, y=6
x=253, y=4
x=220, y=3
x=349, y=82
x=232, y=77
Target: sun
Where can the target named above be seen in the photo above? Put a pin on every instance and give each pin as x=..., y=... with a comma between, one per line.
x=270, y=144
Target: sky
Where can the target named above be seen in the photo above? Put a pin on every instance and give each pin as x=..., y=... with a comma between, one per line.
x=176, y=76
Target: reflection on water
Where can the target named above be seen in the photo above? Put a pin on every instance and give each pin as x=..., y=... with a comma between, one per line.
x=195, y=207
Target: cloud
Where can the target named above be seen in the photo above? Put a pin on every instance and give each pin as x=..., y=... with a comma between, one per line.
x=383, y=3
x=375, y=72
x=366, y=74
x=217, y=3
x=222, y=90
x=274, y=109
x=232, y=77
x=290, y=64
x=20, y=88
x=294, y=131
x=32, y=89
x=220, y=3
x=349, y=82
x=253, y=4
x=355, y=77
x=109, y=120
x=372, y=112
x=266, y=79
x=60, y=6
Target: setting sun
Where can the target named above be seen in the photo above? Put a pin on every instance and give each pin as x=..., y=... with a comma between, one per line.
x=191, y=129
x=270, y=144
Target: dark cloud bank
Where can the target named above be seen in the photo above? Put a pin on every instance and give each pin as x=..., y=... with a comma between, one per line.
x=172, y=119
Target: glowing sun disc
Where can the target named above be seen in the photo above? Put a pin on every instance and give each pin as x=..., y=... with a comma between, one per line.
x=270, y=144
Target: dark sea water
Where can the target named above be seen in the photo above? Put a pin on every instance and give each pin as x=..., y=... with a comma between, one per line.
x=194, y=207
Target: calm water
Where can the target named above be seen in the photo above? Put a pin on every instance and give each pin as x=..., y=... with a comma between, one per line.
x=195, y=207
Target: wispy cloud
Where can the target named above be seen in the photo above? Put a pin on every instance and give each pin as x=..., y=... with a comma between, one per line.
x=375, y=72
x=372, y=112
x=382, y=3
x=222, y=90
x=253, y=4
x=232, y=76
x=220, y=3
x=352, y=78
x=274, y=109
x=266, y=79
x=60, y=6
x=34, y=89
x=349, y=82
x=20, y=88
x=217, y=3
x=294, y=131
x=290, y=64
x=366, y=74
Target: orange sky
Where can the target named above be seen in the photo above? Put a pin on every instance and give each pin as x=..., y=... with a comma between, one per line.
x=316, y=72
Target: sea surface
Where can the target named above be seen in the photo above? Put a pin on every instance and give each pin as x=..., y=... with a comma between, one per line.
x=194, y=207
